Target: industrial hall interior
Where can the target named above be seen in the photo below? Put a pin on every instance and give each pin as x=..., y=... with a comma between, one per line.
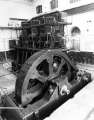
x=46, y=59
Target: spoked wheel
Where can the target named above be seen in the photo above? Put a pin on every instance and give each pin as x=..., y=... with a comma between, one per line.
x=39, y=68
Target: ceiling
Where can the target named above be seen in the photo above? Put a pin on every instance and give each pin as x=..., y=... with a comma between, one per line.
x=19, y=1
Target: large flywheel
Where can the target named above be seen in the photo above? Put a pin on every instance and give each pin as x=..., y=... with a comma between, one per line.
x=39, y=68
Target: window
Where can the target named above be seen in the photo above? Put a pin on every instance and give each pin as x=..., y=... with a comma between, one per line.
x=75, y=34
x=54, y=4
x=75, y=31
x=74, y=1
x=43, y=68
x=39, y=9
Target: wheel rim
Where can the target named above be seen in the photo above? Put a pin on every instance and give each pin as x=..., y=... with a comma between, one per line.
x=26, y=95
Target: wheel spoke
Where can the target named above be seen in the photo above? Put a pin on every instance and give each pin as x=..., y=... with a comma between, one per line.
x=59, y=69
x=50, y=64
